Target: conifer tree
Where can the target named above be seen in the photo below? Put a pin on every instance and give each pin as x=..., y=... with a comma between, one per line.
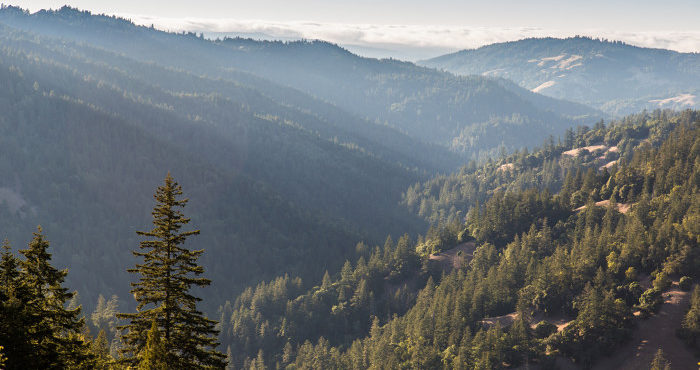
x=660, y=362
x=154, y=354
x=167, y=273
x=100, y=349
x=55, y=330
x=16, y=319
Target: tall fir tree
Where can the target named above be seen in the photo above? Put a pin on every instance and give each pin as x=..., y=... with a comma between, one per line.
x=55, y=331
x=16, y=317
x=167, y=273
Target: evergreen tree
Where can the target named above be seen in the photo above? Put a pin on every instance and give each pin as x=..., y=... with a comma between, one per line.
x=16, y=318
x=660, y=362
x=154, y=354
x=55, y=333
x=162, y=293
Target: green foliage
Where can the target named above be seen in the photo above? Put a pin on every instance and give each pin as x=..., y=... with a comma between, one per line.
x=506, y=215
x=685, y=283
x=660, y=362
x=534, y=257
x=662, y=282
x=101, y=352
x=280, y=314
x=167, y=274
x=267, y=165
x=544, y=329
x=651, y=300
x=690, y=328
x=37, y=330
x=154, y=355
x=286, y=183
x=602, y=322
x=448, y=197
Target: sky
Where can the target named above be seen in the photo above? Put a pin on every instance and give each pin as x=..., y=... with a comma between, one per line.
x=411, y=29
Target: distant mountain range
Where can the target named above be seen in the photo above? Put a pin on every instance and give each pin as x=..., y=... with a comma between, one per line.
x=291, y=152
x=425, y=104
x=612, y=76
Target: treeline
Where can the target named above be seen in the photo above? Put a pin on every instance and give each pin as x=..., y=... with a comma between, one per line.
x=446, y=198
x=540, y=256
x=279, y=316
x=587, y=268
x=424, y=104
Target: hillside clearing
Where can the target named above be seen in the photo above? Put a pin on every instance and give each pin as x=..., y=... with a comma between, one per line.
x=621, y=207
x=456, y=257
x=659, y=331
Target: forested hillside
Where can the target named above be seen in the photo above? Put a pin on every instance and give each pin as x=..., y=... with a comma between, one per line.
x=553, y=278
x=276, y=188
x=298, y=170
x=425, y=104
x=86, y=176
x=341, y=212
x=609, y=75
x=580, y=152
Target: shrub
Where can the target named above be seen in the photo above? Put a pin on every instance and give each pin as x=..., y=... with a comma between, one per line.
x=651, y=300
x=629, y=293
x=544, y=329
x=662, y=282
x=685, y=283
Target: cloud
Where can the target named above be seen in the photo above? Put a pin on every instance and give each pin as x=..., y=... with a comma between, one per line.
x=411, y=40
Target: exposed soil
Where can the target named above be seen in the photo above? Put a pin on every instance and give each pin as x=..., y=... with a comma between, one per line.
x=607, y=165
x=456, y=257
x=505, y=320
x=506, y=167
x=621, y=207
x=559, y=320
x=658, y=331
x=591, y=148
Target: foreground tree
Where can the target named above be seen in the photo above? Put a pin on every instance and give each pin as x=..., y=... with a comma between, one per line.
x=167, y=273
x=15, y=314
x=37, y=329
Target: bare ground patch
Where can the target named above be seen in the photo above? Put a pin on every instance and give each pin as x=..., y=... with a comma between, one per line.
x=621, y=207
x=658, y=331
x=456, y=257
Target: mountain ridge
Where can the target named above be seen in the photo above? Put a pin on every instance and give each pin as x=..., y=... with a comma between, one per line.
x=588, y=71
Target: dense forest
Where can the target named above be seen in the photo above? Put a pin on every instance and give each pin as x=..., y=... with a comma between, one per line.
x=286, y=176
x=602, y=263
x=323, y=210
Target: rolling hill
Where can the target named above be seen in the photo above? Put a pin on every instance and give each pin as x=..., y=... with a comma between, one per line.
x=612, y=76
x=427, y=105
x=291, y=152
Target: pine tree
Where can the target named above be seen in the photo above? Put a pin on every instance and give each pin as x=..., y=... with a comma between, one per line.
x=166, y=275
x=100, y=349
x=55, y=333
x=16, y=318
x=154, y=354
x=660, y=362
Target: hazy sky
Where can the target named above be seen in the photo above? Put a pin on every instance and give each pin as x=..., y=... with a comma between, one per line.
x=416, y=27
